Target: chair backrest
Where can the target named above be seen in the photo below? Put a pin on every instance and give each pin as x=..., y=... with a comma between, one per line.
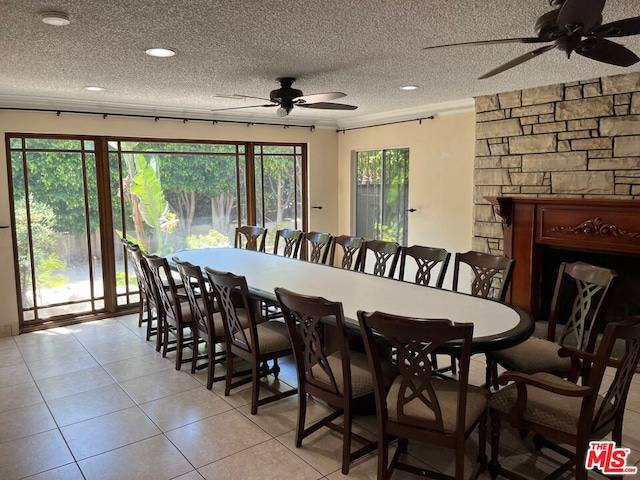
x=303, y=315
x=603, y=415
x=587, y=288
x=427, y=259
x=350, y=251
x=165, y=287
x=386, y=257
x=490, y=273
x=230, y=289
x=134, y=260
x=195, y=288
x=290, y=240
x=316, y=246
x=148, y=285
x=415, y=339
x=250, y=238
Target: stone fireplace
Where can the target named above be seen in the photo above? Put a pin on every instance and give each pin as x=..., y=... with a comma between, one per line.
x=576, y=141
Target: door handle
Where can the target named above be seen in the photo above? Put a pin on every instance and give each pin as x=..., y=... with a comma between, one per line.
x=411, y=210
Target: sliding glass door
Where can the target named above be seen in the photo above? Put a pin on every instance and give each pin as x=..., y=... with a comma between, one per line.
x=382, y=194
x=74, y=198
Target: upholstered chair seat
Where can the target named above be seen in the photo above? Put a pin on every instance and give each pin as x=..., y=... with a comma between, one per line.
x=447, y=393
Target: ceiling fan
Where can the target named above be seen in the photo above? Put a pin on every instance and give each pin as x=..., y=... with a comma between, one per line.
x=286, y=97
x=574, y=26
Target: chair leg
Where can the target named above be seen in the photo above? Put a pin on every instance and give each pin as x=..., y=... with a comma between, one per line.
x=383, y=458
x=482, y=442
x=141, y=311
x=494, y=464
x=165, y=337
x=211, y=363
x=255, y=388
x=346, y=440
x=179, y=347
x=302, y=413
x=459, y=472
x=229, y=376
x=194, y=357
x=160, y=331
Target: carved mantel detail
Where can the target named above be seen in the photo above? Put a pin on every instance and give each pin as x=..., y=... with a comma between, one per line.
x=596, y=227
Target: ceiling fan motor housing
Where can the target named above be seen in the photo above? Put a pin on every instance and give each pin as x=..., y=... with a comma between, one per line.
x=284, y=93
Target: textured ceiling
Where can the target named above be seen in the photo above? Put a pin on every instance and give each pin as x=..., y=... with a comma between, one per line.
x=366, y=49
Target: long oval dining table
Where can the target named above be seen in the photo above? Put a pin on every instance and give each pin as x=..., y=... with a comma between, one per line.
x=497, y=325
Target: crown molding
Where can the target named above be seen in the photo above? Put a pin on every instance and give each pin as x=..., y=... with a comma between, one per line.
x=129, y=109
x=83, y=106
x=412, y=113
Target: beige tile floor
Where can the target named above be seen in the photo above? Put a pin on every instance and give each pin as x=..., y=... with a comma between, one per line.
x=95, y=401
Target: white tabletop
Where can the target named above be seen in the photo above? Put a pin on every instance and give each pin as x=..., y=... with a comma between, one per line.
x=496, y=324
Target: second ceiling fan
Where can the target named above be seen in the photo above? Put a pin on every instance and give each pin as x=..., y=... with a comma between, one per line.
x=574, y=26
x=286, y=97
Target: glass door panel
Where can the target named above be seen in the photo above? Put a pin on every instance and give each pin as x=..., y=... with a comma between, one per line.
x=279, y=186
x=57, y=227
x=382, y=189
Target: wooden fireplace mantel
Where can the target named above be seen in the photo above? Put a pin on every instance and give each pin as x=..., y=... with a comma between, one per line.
x=602, y=225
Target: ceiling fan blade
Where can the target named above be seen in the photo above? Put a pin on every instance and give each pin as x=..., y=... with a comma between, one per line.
x=237, y=96
x=621, y=28
x=489, y=42
x=320, y=97
x=587, y=13
x=607, y=51
x=517, y=61
x=244, y=106
x=328, y=106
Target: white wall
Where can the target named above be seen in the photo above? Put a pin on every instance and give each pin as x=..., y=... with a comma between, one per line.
x=441, y=156
x=322, y=171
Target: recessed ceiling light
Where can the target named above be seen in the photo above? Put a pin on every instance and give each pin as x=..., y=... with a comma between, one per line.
x=57, y=19
x=409, y=87
x=92, y=88
x=160, y=52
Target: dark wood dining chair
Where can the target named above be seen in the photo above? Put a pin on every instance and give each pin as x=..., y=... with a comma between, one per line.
x=250, y=238
x=153, y=300
x=562, y=412
x=206, y=324
x=386, y=256
x=287, y=243
x=176, y=314
x=421, y=405
x=350, y=251
x=258, y=343
x=316, y=246
x=491, y=273
x=331, y=373
x=427, y=259
x=581, y=295
x=145, y=313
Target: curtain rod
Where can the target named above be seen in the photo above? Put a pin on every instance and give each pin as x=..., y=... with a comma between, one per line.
x=419, y=120
x=156, y=118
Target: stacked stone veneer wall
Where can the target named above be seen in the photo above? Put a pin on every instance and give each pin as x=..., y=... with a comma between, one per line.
x=579, y=139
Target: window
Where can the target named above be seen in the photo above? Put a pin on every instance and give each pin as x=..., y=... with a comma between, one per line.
x=75, y=197
x=381, y=194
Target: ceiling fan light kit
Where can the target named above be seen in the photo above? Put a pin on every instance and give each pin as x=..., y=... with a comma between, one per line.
x=286, y=97
x=575, y=26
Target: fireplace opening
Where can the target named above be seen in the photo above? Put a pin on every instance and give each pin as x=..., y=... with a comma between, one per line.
x=625, y=299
